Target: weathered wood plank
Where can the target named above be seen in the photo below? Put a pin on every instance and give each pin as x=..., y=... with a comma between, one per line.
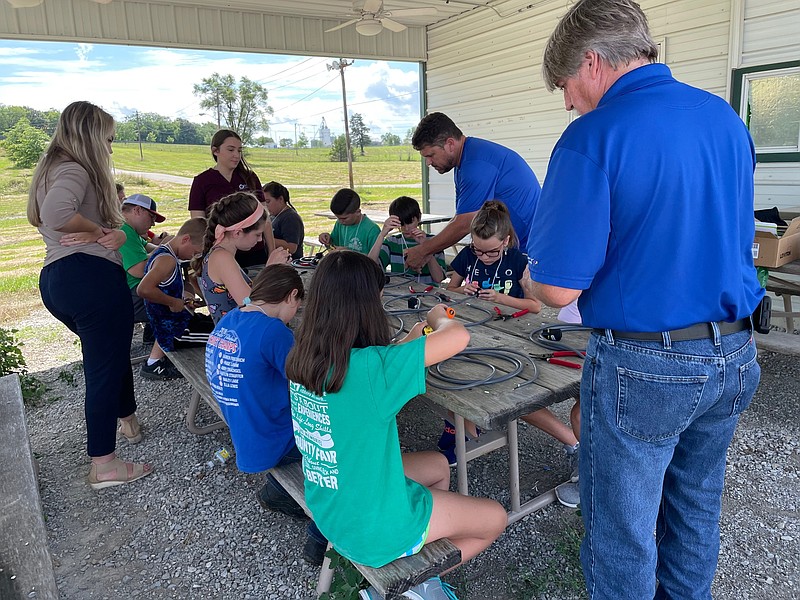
x=25, y=563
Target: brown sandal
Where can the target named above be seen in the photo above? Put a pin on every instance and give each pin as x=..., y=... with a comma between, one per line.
x=121, y=476
x=130, y=429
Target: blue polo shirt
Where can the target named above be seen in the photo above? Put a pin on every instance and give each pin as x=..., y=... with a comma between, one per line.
x=648, y=207
x=489, y=171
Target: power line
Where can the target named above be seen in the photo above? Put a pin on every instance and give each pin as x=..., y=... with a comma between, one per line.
x=305, y=97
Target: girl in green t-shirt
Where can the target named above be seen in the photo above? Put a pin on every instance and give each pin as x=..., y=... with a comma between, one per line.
x=347, y=384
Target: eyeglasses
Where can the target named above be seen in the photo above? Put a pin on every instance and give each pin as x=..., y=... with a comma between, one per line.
x=487, y=253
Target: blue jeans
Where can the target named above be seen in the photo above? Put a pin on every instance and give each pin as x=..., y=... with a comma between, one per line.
x=656, y=422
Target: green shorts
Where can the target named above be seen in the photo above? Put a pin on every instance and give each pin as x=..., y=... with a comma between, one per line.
x=417, y=546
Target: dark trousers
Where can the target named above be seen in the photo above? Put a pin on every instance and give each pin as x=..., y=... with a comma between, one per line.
x=91, y=297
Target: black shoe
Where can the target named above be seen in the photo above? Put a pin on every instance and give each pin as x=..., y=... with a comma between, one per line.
x=148, y=337
x=160, y=370
x=273, y=497
x=314, y=551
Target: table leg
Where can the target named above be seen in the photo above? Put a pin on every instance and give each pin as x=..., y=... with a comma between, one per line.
x=513, y=465
x=461, y=456
x=191, y=418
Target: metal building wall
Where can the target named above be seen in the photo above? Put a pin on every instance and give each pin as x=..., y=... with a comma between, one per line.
x=771, y=34
x=484, y=71
x=169, y=25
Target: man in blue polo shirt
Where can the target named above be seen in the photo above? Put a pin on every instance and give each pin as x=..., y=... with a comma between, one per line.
x=483, y=171
x=655, y=183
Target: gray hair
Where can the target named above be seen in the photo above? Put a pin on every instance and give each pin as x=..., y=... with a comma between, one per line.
x=616, y=29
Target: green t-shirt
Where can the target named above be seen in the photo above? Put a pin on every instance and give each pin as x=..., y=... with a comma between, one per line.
x=354, y=481
x=391, y=254
x=133, y=252
x=359, y=237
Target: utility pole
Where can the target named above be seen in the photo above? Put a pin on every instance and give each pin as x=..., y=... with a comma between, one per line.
x=295, y=138
x=139, y=136
x=340, y=66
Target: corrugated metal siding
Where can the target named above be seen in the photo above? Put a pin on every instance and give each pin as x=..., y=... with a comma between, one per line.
x=145, y=23
x=485, y=72
x=771, y=34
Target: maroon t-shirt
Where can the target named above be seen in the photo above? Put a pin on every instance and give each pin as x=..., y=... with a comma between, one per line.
x=209, y=186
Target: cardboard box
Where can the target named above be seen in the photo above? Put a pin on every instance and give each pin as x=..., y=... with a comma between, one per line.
x=769, y=250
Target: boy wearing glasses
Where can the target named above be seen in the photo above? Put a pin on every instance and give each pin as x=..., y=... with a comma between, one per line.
x=353, y=229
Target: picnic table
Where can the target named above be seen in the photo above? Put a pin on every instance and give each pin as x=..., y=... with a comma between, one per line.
x=786, y=289
x=379, y=216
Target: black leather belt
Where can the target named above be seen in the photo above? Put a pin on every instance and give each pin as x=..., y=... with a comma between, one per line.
x=695, y=332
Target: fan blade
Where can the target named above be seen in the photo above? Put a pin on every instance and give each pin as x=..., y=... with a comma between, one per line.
x=412, y=12
x=372, y=6
x=392, y=25
x=343, y=25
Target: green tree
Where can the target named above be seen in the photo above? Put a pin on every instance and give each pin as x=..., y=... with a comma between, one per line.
x=339, y=149
x=409, y=135
x=286, y=142
x=24, y=144
x=302, y=141
x=390, y=139
x=240, y=106
x=359, y=132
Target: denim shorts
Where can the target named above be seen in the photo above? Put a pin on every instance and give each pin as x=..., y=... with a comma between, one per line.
x=417, y=546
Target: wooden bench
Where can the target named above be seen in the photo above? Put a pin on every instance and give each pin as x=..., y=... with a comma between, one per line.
x=786, y=290
x=26, y=569
x=390, y=580
x=311, y=246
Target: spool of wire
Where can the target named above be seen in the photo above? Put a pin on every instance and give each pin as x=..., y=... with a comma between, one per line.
x=438, y=376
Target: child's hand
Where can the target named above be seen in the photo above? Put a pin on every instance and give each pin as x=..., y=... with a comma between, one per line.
x=176, y=305
x=437, y=315
x=418, y=235
x=416, y=330
x=471, y=288
x=491, y=295
x=325, y=239
x=393, y=222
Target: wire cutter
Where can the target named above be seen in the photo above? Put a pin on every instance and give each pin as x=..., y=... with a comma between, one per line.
x=553, y=358
x=501, y=317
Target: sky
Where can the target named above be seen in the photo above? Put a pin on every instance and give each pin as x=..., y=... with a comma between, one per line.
x=124, y=79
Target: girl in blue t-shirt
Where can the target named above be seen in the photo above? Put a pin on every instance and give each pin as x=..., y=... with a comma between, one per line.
x=492, y=267
x=347, y=384
x=245, y=367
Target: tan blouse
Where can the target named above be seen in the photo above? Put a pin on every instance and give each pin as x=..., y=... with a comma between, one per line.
x=64, y=191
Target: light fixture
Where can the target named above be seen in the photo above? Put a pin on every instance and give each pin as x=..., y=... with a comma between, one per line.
x=369, y=27
x=24, y=3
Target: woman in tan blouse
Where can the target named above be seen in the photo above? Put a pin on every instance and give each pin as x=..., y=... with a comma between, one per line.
x=73, y=203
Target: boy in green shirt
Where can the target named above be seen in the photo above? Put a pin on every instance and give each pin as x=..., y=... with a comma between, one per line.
x=353, y=229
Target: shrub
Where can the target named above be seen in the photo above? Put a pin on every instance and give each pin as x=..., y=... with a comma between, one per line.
x=12, y=361
x=24, y=144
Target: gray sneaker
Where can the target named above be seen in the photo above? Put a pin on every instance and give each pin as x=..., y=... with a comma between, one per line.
x=569, y=494
x=431, y=589
x=573, y=458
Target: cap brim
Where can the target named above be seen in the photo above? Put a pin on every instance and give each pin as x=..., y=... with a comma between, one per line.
x=159, y=218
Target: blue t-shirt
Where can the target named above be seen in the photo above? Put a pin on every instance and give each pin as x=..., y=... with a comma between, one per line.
x=489, y=171
x=503, y=276
x=246, y=368
x=648, y=207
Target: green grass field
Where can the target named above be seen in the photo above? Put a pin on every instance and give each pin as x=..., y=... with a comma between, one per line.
x=22, y=249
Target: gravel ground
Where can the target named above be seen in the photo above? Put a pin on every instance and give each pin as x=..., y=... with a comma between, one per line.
x=189, y=532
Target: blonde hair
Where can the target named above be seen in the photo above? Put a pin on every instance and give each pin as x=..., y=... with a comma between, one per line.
x=81, y=136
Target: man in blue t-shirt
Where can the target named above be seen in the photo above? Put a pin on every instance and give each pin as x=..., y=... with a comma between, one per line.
x=655, y=183
x=484, y=171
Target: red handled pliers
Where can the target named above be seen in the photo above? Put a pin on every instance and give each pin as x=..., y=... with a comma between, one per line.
x=501, y=317
x=425, y=291
x=553, y=359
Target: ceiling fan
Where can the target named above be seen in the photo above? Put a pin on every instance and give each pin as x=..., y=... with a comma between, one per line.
x=372, y=19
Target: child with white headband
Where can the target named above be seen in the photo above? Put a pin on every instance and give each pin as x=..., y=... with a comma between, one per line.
x=235, y=222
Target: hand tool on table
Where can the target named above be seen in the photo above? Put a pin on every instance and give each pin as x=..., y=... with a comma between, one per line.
x=504, y=317
x=449, y=311
x=554, y=358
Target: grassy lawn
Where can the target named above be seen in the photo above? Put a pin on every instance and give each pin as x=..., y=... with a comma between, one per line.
x=309, y=166
x=22, y=249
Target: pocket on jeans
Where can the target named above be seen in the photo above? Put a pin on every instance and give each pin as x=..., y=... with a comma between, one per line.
x=656, y=407
x=749, y=376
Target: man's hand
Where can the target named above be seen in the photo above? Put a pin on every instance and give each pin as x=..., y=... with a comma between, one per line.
x=416, y=257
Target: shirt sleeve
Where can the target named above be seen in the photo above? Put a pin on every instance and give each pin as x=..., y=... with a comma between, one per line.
x=65, y=194
x=475, y=185
x=371, y=235
x=197, y=194
x=460, y=263
x=385, y=253
x=569, y=239
x=291, y=229
x=397, y=374
x=276, y=342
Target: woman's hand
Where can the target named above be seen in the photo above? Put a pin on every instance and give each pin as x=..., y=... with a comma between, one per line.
x=279, y=256
x=81, y=238
x=112, y=239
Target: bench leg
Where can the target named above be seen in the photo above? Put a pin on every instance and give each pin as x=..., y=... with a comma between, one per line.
x=787, y=306
x=325, y=575
x=191, y=418
x=513, y=465
x=461, y=455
